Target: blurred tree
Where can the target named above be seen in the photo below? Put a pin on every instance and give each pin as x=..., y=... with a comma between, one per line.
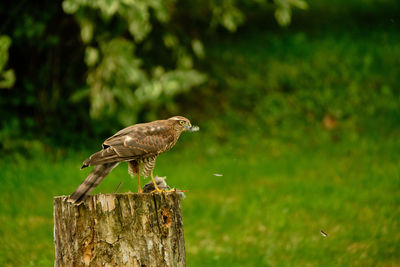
x=119, y=82
x=283, y=13
x=7, y=77
x=123, y=58
x=124, y=70
x=46, y=56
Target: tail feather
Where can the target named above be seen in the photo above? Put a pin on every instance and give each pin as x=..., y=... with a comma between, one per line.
x=91, y=182
x=104, y=156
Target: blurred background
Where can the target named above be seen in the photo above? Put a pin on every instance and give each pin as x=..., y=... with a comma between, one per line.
x=297, y=101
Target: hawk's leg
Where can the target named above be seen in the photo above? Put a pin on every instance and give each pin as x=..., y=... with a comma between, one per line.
x=133, y=168
x=148, y=168
x=158, y=190
x=138, y=179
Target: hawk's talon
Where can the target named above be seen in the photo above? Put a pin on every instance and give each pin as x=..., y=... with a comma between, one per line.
x=158, y=191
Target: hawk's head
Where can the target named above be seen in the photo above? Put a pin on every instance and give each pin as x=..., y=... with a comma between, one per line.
x=183, y=124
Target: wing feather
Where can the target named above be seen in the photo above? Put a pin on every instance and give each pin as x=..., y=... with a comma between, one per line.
x=137, y=141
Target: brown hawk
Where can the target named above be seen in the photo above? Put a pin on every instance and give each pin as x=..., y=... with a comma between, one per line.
x=137, y=144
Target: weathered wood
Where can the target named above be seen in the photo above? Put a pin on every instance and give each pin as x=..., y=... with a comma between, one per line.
x=119, y=230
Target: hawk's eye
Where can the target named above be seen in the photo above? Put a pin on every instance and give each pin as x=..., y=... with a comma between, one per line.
x=182, y=123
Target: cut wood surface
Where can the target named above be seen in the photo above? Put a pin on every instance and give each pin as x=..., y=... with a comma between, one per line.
x=119, y=230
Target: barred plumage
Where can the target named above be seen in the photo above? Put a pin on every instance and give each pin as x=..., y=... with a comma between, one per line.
x=92, y=181
x=148, y=166
x=136, y=144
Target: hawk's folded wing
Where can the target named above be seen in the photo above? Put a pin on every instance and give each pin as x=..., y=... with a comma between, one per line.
x=132, y=143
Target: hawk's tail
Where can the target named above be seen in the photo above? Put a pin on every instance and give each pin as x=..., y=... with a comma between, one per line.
x=103, y=156
x=91, y=182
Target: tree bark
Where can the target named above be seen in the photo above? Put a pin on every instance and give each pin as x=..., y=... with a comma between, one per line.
x=119, y=230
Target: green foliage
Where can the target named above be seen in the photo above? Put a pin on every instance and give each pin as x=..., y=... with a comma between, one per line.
x=283, y=13
x=46, y=56
x=118, y=33
x=7, y=77
x=119, y=83
x=110, y=62
x=92, y=71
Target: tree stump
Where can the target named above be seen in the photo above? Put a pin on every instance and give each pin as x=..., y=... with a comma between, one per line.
x=119, y=230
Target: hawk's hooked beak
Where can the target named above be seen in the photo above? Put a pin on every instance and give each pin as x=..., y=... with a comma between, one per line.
x=191, y=128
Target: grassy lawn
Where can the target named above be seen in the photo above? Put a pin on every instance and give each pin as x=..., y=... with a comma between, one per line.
x=267, y=209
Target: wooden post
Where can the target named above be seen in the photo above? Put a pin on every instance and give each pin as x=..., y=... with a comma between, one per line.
x=119, y=230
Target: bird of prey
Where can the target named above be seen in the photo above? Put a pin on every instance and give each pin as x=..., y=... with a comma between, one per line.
x=139, y=145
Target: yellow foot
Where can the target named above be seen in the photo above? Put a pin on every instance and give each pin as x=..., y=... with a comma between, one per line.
x=158, y=190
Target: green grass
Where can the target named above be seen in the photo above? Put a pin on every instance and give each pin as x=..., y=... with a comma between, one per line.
x=283, y=83
x=266, y=210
